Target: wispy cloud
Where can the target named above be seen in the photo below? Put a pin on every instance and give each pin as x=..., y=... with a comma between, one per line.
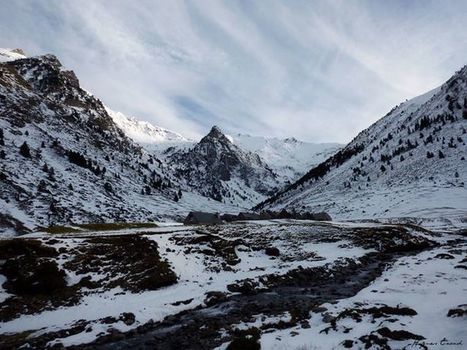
x=320, y=71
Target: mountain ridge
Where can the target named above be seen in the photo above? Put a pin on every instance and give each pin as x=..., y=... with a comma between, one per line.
x=288, y=158
x=67, y=158
x=222, y=171
x=413, y=139
x=64, y=161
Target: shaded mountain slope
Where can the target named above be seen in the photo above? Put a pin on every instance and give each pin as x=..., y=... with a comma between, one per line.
x=64, y=160
x=409, y=163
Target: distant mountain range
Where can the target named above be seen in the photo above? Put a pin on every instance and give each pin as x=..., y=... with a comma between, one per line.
x=236, y=169
x=290, y=158
x=66, y=158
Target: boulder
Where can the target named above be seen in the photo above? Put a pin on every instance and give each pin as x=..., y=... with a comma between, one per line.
x=246, y=287
x=128, y=318
x=272, y=251
x=214, y=298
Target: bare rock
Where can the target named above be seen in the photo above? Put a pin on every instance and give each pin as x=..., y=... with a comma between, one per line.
x=272, y=251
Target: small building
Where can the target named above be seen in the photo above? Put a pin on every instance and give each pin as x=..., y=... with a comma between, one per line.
x=323, y=216
x=265, y=215
x=284, y=214
x=248, y=216
x=229, y=217
x=202, y=218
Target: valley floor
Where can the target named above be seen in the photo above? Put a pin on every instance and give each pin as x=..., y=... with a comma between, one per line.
x=279, y=284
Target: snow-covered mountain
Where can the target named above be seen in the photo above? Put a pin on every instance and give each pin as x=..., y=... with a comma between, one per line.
x=7, y=55
x=219, y=169
x=213, y=167
x=409, y=163
x=287, y=158
x=64, y=160
x=290, y=158
x=145, y=133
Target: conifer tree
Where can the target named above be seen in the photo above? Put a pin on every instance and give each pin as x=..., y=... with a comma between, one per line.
x=24, y=150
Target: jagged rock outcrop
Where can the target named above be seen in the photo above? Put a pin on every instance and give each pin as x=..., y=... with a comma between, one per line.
x=217, y=168
x=63, y=159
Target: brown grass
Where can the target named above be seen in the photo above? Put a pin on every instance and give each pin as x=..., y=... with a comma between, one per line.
x=101, y=226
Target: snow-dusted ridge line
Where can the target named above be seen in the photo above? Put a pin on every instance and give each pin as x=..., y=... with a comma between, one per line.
x=7, y=55
x=288, y=153
x=77, y=166
x=144, y=132
x=410, y=163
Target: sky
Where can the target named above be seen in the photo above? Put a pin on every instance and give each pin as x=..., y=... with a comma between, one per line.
x=320, y=71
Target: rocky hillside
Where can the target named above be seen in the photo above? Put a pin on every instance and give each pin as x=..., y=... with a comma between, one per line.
x=64, y=160
x=218, y=169
x=409, y=163
x=288, y=158
x=285, y=284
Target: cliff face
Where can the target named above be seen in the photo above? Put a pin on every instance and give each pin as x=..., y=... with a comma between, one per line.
x=222, y=171
x=63, y=159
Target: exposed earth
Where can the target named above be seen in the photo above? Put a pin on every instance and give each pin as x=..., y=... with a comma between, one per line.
x=278, y=284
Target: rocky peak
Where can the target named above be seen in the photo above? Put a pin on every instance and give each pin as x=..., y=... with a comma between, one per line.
x=463, y=70
x=46, y=79
x=291, y=140
x=219, y=169
x=46, y=73
x=19, y=51
x=215, y=134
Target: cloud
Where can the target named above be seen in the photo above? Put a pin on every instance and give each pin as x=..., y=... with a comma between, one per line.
x=320, y=71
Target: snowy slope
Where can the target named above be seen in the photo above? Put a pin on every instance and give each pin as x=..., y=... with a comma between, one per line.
x=281, y=161
x=426, y=283
x=11, y=54
x=288, y=157
x=219, y=169
x=145, y=133
x=64, y=160
x=409, y=163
